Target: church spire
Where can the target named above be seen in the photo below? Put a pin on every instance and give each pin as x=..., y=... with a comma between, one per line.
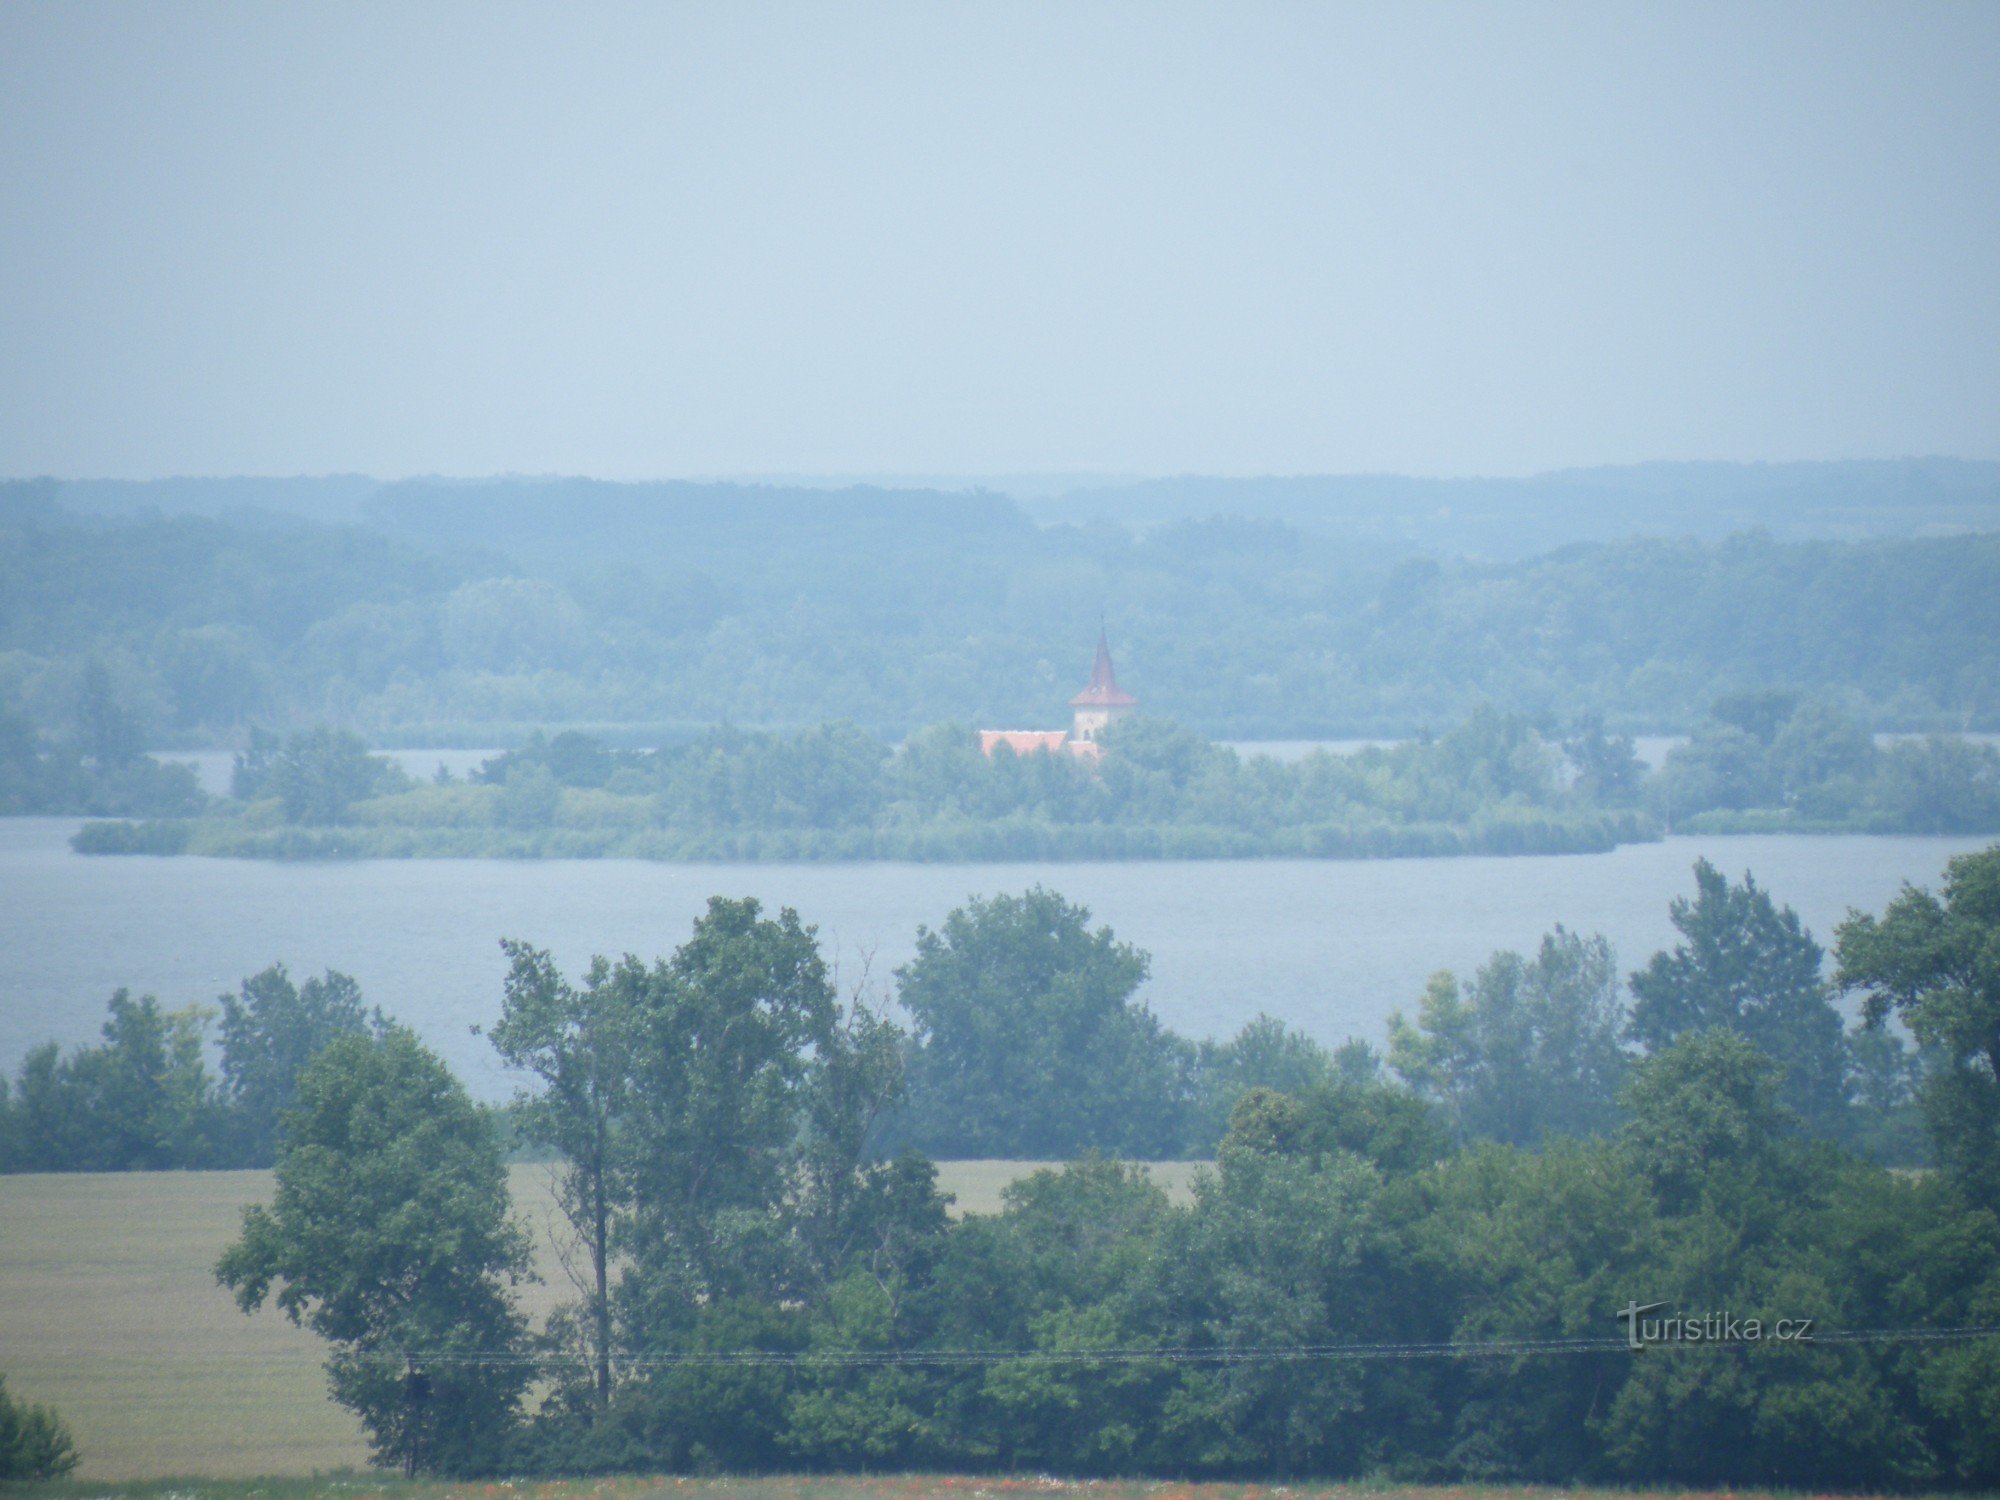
x=1104, y=700
x=1102, y=678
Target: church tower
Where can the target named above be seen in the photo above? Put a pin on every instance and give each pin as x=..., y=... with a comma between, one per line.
x=1103, y=702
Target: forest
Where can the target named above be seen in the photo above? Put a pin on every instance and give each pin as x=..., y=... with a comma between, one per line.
x=1406, y=1264
x=473, y=614
x=1492, y=784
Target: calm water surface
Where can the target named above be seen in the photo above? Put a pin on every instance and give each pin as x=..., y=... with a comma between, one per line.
x=1329, y=946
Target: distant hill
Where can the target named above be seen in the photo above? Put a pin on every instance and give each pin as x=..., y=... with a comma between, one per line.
x=468, y=612
x=1514, y=518
x=1481, y=518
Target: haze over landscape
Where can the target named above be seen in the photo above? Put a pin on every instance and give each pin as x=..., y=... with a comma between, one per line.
x=1053, y=746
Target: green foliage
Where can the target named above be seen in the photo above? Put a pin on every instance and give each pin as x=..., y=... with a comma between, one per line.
x=1754, y=1219
x=577, y=1044
x=1027, y=1040
x=96, y=769
x=529, y=798
x=132, y=838
x=142, y=1100
x=315, y=775
x=773, y=1269
x=715, y=1115
x=678, y=606
x=1510, y=1245
x=1529, y=1049
x=1705, y=1115
x=1939, y=785
x=722, y=1055
x=106, y=732
x=389, y=1237
x=34, y=1443
x=1771, y=761
x=1392, y=1129
x=1935, y=964
x=1265, y=1054
x=1746, y=965
x=1271, y=1256
x=1492, y=784
x=1608, y=768
x=271, y=1030
x=1721, y=767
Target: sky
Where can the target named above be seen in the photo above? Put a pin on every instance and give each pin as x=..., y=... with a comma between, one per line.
x=657, y=241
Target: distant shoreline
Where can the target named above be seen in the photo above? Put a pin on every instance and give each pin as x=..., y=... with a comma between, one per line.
x=997, y=842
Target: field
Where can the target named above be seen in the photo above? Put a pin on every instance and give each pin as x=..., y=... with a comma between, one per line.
x=892, y=1487
x=109, y=1312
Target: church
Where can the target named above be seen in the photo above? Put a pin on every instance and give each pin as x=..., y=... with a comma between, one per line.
x=1102, y=702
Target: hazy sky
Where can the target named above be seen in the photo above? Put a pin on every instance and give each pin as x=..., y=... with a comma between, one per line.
x=1141, y=238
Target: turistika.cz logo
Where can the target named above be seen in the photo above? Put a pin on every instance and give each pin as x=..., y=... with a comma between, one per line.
x=1708, y=1328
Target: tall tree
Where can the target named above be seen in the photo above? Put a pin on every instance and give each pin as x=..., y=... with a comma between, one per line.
x=1266, y=1054
x=1705, y=1120
x=271, y=1029
x=1936, y=965
x=317, y=774
x=106, y=732
x=1746, y=964
x=1028, y=1042
x=1608, y=769
x=715, y=1113
x=722, y=1051
x=1530, y=1048
x=577, y=1043
x=389, y=1237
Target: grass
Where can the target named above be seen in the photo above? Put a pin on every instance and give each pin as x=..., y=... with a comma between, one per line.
x=873, y=1487
x=109, y=1312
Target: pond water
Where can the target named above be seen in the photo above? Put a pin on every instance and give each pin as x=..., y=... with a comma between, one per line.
x=1330, y=946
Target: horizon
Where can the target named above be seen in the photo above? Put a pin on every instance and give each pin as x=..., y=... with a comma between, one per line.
x=1039, y=479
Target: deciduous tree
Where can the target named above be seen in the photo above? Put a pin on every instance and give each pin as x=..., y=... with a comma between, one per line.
x=271, y=1029
x=1028, y=1041
x=389, y=1237
x=1935, y=964
x=1748, y=965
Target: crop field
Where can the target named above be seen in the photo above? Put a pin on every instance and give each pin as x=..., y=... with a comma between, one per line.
x=109, y=1312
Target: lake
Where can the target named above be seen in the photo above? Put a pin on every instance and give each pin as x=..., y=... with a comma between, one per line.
x=1329, y=946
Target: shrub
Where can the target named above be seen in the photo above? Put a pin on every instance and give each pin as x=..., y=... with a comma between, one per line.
x=34, y=1443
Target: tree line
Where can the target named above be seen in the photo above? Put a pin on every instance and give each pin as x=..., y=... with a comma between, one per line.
x=1026, y=1038
x=1494, y=783
x=786, y=610
x=1771, y=760
x=97, y=767
x=1109, y=1076
x=1393, y=1275
x=144, y=1098
x=745, y=1168
x=1489, y=785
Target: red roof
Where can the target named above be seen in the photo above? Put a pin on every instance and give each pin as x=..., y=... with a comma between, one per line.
x=1104, y=691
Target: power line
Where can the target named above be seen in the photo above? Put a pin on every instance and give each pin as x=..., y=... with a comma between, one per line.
x=1218, y=1354
x=1211, y=1354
